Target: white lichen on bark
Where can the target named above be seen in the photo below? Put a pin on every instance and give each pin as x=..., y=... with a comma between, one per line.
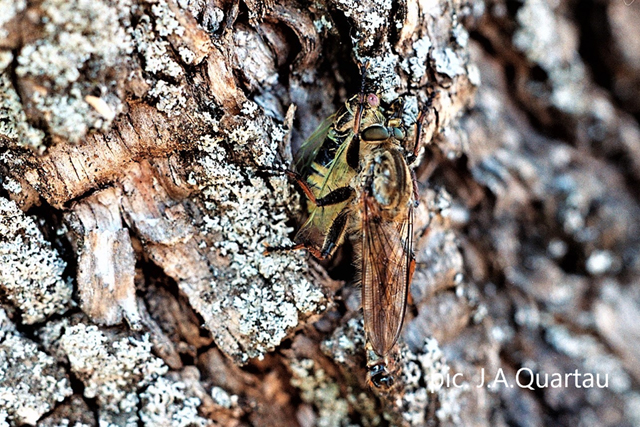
x=114, y=367
x=202, y=93
x=13, y=120
x=425, y=366
x=169, y=403
x=316, y=388
x=269, y=292
x=9, y=8
x=80, y=38
x=31, y=273
x=31, y=382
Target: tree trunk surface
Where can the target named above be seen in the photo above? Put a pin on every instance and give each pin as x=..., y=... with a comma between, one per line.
x=137, y=142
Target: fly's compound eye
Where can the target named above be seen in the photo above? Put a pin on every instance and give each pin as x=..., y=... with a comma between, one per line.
x=373, y=100
x=375, y=133
x=398, y=133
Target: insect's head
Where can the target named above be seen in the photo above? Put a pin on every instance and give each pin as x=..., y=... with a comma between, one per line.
x=390, y=127
x=365, y=108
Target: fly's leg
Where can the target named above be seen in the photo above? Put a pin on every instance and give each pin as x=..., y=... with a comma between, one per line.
x=336, y=233
x=338, y=195
x=419, y=125
x=332, y=241
x=361, y=99
x=416, y=195
x=353, y=153
x=338, y=227
x=418, y=139
x=300, y=246
x=418, y=144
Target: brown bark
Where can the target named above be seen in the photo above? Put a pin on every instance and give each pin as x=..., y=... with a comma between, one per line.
x=134, y=136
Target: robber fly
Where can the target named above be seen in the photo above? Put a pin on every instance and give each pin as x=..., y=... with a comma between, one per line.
x=358, y=182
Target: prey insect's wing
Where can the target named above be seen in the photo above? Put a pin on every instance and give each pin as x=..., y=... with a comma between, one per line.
x=387, y=269
x=323, y=180
x=310, y=148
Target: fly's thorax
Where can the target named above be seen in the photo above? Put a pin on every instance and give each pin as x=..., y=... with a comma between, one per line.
x=388, y=180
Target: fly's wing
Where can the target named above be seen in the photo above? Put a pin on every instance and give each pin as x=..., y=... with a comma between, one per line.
x=387, y=269
x=310, y=148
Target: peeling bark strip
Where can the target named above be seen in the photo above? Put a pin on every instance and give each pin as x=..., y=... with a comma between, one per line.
x=106, y=265
x=132, y=133
x=67, y=172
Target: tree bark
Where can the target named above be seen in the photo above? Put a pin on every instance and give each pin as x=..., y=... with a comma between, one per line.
x=135, y=209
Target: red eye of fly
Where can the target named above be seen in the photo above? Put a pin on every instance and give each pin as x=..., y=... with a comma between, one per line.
x=373, y=100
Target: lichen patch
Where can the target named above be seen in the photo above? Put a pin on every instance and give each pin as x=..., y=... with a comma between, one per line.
x=32, y=272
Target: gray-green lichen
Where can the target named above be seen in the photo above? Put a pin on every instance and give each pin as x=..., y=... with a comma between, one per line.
x=31, y=273
x=317, y=388
x=13, y=120
x=423, y=378
x=344, y=346
x=222, y=398
x=168, y=403
x=113, y=368
x=422, y=374
x=371, y=16
x=384, y=73
x=82, y=43
x=422, y=44
x=11, y=185
x=266, y=293
x=155, y=50
x=370, y=19
x=417, y=65
x=346, y=341
x=30, y=381
x=196, y=7
x=429, y=367
x=169, y=97
x=150, y=42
